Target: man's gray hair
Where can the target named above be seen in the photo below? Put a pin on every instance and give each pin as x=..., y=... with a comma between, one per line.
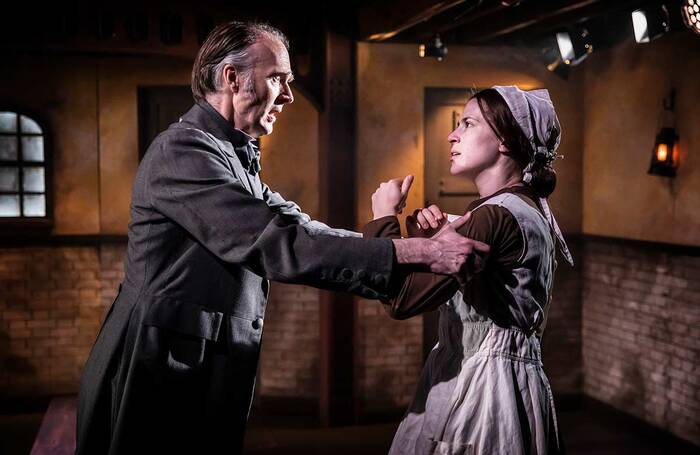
x=239, y=59
x=228, y=44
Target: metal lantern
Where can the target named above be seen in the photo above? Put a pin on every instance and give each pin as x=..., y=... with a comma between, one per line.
x=664, y=159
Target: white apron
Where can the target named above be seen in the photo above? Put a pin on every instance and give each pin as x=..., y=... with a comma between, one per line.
x=483, y=390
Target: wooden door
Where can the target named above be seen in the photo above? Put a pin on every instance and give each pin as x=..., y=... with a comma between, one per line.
x=443, y=109
x=159, y=106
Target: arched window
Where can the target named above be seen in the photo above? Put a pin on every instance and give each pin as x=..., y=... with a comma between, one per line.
x=23, y=169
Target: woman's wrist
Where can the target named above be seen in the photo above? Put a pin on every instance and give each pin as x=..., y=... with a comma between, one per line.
x=377, y=214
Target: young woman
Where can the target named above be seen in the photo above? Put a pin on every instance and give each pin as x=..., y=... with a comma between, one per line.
x=483, y=390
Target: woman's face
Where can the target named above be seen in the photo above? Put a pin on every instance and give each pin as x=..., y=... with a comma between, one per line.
x=475, y=147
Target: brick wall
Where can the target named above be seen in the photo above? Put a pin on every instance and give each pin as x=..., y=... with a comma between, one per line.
x=389, y=357
x=53, y=299
x=561, y=342
x=638, y=349
x=289, y=362
x=51, y=306
x=111, y=271
x=641, y=333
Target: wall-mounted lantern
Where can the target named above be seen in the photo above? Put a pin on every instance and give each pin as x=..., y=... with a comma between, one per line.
x=664, y=159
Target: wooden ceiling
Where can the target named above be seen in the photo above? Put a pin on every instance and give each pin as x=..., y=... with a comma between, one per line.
x=487, y=22
x=176, y=28
x=464, y=22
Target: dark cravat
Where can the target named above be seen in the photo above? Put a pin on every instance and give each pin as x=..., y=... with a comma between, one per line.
x=253, y=158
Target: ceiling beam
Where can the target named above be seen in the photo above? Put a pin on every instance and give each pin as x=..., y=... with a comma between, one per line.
x=384, y=21
x=540, y=17
x=444, y=24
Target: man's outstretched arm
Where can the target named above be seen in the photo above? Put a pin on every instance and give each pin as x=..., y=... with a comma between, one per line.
x=291, y=211
x=190, y=182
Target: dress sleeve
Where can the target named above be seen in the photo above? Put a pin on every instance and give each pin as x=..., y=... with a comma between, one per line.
x=413, y=293
x=190, y=181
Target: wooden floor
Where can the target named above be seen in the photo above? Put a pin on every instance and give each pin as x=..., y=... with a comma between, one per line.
x=589, y=428
x=56, y=435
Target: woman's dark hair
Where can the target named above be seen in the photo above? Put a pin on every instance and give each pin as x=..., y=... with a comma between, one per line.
x=497, y=114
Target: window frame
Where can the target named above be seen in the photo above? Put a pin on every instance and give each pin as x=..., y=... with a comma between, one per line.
x=45, y=223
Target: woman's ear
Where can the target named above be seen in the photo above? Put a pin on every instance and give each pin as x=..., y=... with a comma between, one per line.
x=502, y=148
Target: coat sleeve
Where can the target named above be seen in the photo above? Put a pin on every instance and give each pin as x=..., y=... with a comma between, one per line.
x=291, y=211
x=190, y=181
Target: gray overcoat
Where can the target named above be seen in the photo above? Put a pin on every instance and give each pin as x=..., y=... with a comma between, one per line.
x=173, y=367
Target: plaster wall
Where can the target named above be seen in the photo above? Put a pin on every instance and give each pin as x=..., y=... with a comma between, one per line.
x=624, y=89
x=119, y=79
x=60, y=94
x=289, y=155
x=390, y=101
x=89, y=108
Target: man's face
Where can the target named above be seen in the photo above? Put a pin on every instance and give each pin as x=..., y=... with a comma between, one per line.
x=264, y=90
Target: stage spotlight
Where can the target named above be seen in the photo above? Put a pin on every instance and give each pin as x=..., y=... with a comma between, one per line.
x=650, y=23
x=691, y=14
x=550, y=57
x=574, y=46
x=434, y=49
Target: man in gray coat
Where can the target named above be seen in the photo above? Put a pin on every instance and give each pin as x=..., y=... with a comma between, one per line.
x=173, y=367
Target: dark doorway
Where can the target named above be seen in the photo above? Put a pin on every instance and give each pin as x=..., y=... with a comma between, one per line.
x=159, y=106
x=443, y=110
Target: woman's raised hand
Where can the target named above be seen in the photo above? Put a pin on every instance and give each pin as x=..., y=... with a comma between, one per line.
x=425, y=222
x=390, y=198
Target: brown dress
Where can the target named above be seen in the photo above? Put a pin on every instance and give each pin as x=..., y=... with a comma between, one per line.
x=483, y=389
